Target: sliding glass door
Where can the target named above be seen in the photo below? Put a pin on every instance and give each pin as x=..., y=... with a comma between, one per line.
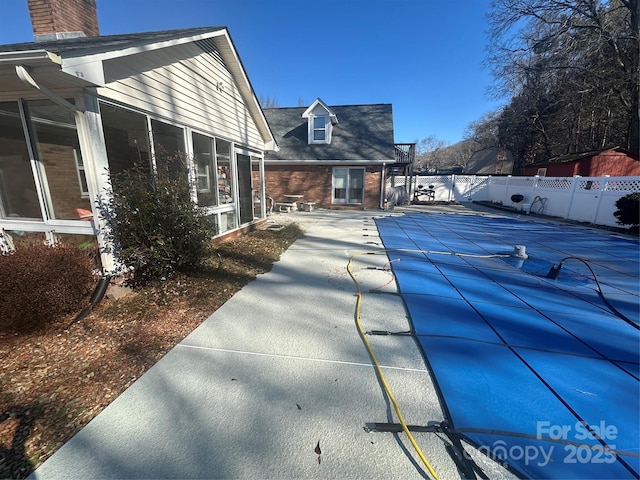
x=348, y=185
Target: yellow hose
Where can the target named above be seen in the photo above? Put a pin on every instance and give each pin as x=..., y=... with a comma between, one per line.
x=383, y=381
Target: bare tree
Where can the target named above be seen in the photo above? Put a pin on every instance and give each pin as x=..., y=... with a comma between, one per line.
x=571, y=67
x=485, y=130
x=426, y=153
x=460, y=153
x=268, y=101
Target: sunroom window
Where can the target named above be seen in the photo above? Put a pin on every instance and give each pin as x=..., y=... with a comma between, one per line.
x=40, y=163
x=126, y=138
x=225, y=174
x=57, y=155
x=18, y=197
x=205, y=166
x=168, y=146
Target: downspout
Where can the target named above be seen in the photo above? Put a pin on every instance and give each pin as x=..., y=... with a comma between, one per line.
x=382, y=183
x=103, y=283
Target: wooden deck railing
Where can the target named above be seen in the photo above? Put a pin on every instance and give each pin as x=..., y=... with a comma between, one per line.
x=405, y=152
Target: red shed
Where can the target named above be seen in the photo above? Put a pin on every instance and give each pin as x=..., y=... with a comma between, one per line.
x=616, y=162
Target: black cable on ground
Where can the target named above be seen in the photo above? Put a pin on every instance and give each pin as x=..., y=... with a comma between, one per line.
x=554, y=272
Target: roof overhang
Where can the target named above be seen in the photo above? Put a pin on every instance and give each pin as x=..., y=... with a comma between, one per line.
x=75, y=69
x=43, y=67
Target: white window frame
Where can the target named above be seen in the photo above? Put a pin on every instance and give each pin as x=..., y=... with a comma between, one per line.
x=313, y=129
x=200, y=174
x=347, y=200
x=81, y=174
x=233, y=192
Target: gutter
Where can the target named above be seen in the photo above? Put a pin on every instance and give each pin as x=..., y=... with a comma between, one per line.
x=29, y=57
x=326, y=162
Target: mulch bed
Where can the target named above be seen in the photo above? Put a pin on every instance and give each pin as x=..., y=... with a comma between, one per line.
x=55, y=380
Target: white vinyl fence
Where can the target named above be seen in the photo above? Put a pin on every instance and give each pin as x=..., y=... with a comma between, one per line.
x=585, y=199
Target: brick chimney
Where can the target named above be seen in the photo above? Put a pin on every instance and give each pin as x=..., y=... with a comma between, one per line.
x=58, y=19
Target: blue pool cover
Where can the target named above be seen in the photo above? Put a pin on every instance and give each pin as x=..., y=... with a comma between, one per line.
x=536, y=372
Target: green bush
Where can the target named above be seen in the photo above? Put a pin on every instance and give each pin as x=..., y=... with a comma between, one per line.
x=40, y=284
x=628, y=212
x=155, y=228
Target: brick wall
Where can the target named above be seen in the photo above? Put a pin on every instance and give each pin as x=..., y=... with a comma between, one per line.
x=372, y=179
x=59, y=16
x=314, y=182
x=62, y=178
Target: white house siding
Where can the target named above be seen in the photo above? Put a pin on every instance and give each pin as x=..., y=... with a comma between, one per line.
x=319, y=110
x=184, y=84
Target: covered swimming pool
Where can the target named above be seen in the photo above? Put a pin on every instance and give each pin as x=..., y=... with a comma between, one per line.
x=538, y=370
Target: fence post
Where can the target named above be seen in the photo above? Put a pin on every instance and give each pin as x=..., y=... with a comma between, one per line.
x=603, y=187
x=506, y=199
x=451, y=187
x=574, y=186
x=472, y=188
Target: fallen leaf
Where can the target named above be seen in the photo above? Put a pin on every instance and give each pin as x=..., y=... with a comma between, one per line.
x=85, y=367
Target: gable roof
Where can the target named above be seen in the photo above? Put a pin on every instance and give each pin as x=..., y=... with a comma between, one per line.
x=487, y=162
x=77, y=62
x=309, y=111
x=83, y=46
x=574, y=157
x=364, y=135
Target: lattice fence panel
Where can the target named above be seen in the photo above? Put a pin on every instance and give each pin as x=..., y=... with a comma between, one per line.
x=589, y=184
x=625, y=185
x=555, y=183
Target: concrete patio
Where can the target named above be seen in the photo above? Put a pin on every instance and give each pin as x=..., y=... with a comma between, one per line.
x=277, y=372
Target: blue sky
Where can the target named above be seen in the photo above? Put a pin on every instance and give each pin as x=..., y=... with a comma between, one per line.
x=422, y=56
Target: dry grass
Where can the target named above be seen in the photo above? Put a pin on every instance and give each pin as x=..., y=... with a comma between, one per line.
x=55, y=380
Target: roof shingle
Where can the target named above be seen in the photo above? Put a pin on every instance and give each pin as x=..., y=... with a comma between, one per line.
x=364, y=133
x=105, y=43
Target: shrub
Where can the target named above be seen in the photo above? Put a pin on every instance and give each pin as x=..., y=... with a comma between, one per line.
x=40, y=284
x=155, y=228
x=628, y=212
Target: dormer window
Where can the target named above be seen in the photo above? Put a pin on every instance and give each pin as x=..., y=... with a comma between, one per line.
x=320, y=129
x=321, y=120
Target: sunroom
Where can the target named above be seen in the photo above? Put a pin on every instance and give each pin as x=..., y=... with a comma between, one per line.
x=75, y=111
